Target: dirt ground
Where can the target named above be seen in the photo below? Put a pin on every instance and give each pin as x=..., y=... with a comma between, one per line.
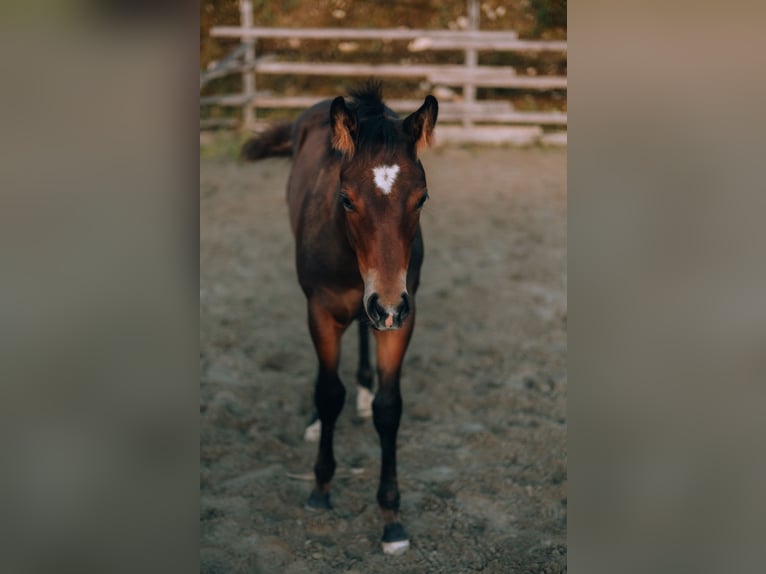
x=482, y=446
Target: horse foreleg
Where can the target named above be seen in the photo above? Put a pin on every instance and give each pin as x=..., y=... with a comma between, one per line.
x=387, y=413
x=329, y=395
x=364, y=373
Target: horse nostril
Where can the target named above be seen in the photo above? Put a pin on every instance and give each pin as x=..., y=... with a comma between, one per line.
x=381, y=316
x=404, y=308
x=374, y=310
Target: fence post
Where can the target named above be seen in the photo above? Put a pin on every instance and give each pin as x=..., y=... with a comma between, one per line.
x=471, y=61
x=248, y=76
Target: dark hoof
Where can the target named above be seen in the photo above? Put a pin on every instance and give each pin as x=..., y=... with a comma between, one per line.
x=395, y=540
x=318, y=501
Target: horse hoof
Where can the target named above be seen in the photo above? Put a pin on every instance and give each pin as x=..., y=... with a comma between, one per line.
x=364, y=402
x=313, y=431
x=318, y=501
x=395, y=541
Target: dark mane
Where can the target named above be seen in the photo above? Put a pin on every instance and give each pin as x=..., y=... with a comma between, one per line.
x=378, y=124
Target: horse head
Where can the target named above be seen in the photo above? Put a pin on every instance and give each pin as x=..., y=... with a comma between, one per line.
x=381, y=191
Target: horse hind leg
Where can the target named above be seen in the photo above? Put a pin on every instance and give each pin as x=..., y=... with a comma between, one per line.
x=364, y=377
x=364, y=391
x=314, y=429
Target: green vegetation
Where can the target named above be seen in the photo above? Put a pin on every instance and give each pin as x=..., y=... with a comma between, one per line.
x=221, y=144
x=549, y=14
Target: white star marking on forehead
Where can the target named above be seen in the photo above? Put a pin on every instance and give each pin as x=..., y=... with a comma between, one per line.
x=385, y=176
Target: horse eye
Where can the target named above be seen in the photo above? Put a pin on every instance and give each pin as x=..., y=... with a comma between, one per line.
x=347, y=204
x=421, y=201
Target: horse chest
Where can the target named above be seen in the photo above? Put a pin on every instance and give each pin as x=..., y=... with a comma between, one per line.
x=344, y=305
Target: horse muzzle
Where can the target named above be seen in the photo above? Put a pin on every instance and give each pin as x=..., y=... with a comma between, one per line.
x=387, y=317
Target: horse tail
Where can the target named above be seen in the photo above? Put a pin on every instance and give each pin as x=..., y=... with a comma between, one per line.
x=275, y=141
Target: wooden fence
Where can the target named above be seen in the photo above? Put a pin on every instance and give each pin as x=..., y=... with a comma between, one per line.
x=477, y=120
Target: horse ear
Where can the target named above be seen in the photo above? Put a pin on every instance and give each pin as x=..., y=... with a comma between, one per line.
x=343, y=125
x=419, y=126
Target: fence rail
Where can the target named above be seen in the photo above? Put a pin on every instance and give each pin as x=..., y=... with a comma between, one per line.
x=424, y=39
x=488, y=111
x=468, y=110
x=254, y=33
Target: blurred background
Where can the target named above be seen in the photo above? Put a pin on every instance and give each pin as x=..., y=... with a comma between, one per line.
x=100, y=169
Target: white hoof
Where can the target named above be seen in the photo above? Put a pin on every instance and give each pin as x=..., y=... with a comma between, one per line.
x=396, y=548
x=364, y=402
x=313, y=431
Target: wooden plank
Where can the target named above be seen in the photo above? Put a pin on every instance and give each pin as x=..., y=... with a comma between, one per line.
x=484, y=76
x=359, y=33
x=248, y=77
x=518, y=135
x=223, y=67
x=541, y=118
x=397, y=70
x=495, y=76
x=471, y=63
x=496, y=45
x=493, y=111
x=500, y=79
x=226, y=100
x=554, y=139
x=220, y=72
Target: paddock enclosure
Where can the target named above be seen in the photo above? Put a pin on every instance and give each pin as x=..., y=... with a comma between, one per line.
x=482, y=443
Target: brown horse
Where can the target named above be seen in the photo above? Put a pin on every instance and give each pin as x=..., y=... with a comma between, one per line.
x=355, y=193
